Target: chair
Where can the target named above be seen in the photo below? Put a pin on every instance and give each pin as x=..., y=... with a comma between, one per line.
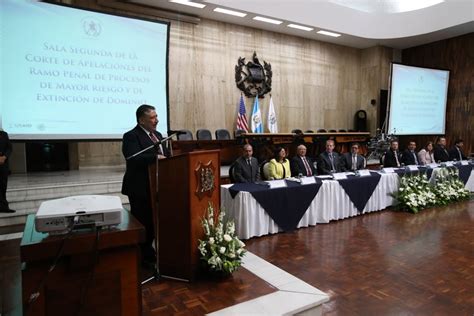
x=231, y=173
x=322, y=130
x=309, y=131
x=187, y=136
x=297, y=131
x=342, y=130
x=352, y=131
x=238, y=133
x=203, y=134
x=222, y=134
x=332, y=131
x=265, y=170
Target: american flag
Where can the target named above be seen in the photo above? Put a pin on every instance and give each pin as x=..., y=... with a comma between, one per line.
x=241, y=117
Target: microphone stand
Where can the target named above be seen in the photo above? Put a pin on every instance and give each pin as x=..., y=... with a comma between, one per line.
x=159, y=142
x=156, y=272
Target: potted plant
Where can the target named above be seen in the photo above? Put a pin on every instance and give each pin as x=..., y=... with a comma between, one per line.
x=221, y=250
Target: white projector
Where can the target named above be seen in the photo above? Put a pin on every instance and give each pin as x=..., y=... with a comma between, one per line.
x=61, y=215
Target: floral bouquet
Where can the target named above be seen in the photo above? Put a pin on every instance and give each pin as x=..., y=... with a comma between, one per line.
x=221, y=251
x=415, y=193
x=448, y=187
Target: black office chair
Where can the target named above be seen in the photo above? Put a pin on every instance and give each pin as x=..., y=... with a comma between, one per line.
x=231, y=173
x=203, y=134
x=238, y=133
x=332, y=131
x=187, y=136
x=342, y=130
x=322, y=130
x=309, y=131
x=352, y=131
x=297, y=131
x=222, y=134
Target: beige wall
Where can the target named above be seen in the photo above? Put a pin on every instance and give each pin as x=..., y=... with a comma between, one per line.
x=315, y=84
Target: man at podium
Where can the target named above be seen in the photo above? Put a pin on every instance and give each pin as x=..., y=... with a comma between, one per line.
x=135, y=181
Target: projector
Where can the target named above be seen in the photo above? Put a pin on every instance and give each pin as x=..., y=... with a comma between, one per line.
x=62, y=215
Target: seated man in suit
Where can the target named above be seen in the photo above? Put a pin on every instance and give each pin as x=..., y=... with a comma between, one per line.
x=456, y=153
x=301, y=164
x=353, y=161
x=245, y=168
x=440, y=152
x=329, y=161
x=409, y=156
x=392, y=157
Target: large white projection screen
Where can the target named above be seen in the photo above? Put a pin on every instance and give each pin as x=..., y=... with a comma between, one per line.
x=418, y=101
x=76, y=74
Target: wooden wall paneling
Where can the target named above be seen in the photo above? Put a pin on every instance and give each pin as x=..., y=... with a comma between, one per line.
x=457, y=55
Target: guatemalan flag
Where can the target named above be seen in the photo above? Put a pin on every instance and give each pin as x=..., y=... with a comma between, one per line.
x=272, y=119
x=256, y=121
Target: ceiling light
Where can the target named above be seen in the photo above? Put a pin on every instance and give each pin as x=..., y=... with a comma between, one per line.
x=328, y=33
x=393, y=6
x=262, y=19
x=300, y=27
x=230, y=12
x=189, y=3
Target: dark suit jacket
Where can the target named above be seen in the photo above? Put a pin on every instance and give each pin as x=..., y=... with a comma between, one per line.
x=441, y=154
x=242, y=172
x=135, y=181
x=408, y=159
x=324, y=163
x=389, y=159
x=454, y=154
x=5, y=148
x=297, y=166
x=346, y=161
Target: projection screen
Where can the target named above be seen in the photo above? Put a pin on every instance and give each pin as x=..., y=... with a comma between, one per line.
x=417, y=101
x=70, y=73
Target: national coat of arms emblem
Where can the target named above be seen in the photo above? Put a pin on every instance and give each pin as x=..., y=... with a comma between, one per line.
x=205, y=179
x=252, y=78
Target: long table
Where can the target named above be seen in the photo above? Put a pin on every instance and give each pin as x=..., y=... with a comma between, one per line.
x=331, y=202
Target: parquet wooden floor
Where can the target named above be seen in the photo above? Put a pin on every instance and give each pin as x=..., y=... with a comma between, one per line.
x=383, y=263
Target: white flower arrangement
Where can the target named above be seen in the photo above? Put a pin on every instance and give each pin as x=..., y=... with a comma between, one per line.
x=416, y=193
x=448, y=187
x=221, y=250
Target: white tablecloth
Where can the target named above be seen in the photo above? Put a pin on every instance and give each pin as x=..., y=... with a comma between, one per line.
x=331, y=203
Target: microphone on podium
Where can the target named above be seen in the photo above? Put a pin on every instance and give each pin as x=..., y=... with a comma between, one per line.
x=175, y=132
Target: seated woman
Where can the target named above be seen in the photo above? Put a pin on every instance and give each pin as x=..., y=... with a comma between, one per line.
x=426, y=155
x=279, y=166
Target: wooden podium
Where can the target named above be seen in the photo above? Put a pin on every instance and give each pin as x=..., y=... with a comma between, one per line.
x=187, y=183
x=113, y=289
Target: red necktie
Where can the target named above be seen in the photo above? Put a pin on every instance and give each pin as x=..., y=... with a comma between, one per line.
x=306, y=165
x=155, y=140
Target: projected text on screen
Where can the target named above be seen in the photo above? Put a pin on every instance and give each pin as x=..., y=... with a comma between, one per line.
x=418, y=100
x=74, y=74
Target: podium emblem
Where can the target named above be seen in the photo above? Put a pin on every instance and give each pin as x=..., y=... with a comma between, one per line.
x=205, y=177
